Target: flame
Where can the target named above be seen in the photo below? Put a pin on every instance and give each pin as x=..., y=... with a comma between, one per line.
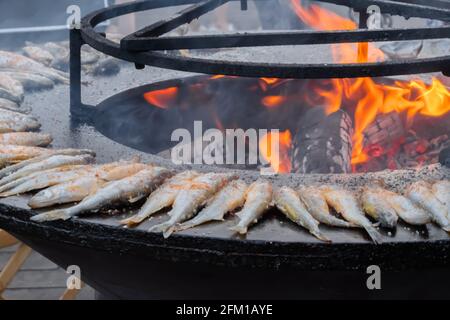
x=282, y=163
x=161, y=98
x=370, y=98
x=273, y=101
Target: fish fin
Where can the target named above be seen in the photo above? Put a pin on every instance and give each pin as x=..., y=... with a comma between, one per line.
x=447, y=228
x=319, y=235
x=239, y=229
x=51, y=216
x=168, y=232
x=132, y=221
x=135, y=199
x=373, y=234
x=162, y=227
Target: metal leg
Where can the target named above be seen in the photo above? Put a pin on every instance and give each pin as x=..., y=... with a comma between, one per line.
x=75, y=70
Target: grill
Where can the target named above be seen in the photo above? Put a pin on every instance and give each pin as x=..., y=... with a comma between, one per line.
x=208, y=262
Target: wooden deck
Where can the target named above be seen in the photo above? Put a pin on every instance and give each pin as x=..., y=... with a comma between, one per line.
x=38, y=279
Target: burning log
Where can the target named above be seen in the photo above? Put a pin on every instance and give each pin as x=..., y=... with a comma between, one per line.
x=323, y=143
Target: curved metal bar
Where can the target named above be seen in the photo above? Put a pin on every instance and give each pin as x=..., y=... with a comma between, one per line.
x=246, y=69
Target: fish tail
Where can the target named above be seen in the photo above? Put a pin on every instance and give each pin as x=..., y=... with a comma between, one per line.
x=447, y=228
x=52, y=216
x=161, y=227
x=319, y=235
x=169, y=232
x=239, y=229
x=373, y=234
x=132, y=221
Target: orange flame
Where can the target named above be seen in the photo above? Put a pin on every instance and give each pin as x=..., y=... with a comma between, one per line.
x=161, y=98
x=273, y=101
x=282, y=163
x=370, y=98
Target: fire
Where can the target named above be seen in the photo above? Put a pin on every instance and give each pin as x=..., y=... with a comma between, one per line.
x=273, y=101
x=161, y=98
x=282, y=163
x=369, y=97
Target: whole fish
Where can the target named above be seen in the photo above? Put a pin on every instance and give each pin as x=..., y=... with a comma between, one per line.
x=50, y=163
x=405, y=209
x=345, y=203
x=38, y=54
x=227, y=200
x=420, y=193
x=189, y=200
x=60, y=53
x=68, y=192
x=257, y=201
x=46, y=153
x=125, y=190
x=162, y=197
x=6, y=104
x=11, y=121
x=317, y=206
x=30, y=81
x=289, y=203
x=375, y=205
x=13, y=153
x=10, y=61
x=441, y=190
x=26, y=139
x=11, y=89
x=43, y=179
x=87, y=183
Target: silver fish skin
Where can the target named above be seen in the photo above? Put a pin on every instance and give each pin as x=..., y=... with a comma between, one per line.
x=125, y=190
x=68, y=192
x=45, y=155
x=189, y=200
x=10, y=61
x=6, y=104
x=50, y=163
x=257, y=201
x=38, y=54
x=441, y=190
x=420, y=193
x=162, y=197
x=227, y=200
x=31, y=81
x=11, y=121
x=406, y=209
x=84, y=183
x=43, y=179
x=317, y=206
x=375, y=205
x=11, y=89
x=346, y=204
x=33, y=139
x=13, y=153
x=289, y=203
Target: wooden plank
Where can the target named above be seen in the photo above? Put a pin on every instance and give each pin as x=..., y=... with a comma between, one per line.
x=6, y=240
x=13, y=266
x=34, y=262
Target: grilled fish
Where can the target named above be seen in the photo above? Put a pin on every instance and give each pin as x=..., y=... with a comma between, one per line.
x=43, y=179
x=46, y=153
x=257, y=201
x=163, y=197
x=345, y=203
x=10, y=61
x=189, y=200
x=420, y=193
x=38, y=54
x=125, y=190
x=289, y=203
x=50, y=163
x=405, y=209
x=11, y=121
x=317, y=206
x=227, y=200
x=375, y=205
x=11, y=89
x=11, y=153
x=86, y=183
x=30, y=81
x=441, y=191
x=6, y=104
x=26, y=139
